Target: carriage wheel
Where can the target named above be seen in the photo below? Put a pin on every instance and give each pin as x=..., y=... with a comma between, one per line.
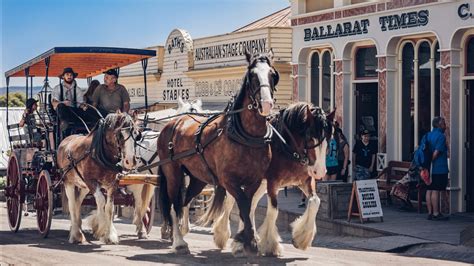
x=13, y=193
x=44, y=203
x=149, y=216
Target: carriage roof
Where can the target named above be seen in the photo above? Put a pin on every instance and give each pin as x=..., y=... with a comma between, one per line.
x=86, y=61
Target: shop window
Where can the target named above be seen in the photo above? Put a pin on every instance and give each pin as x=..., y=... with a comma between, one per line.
x=470, y=56
x=408, y=109
x=322, y=79
x=315, y=79
x=420, y=84
x=326, y=84
x=366, y=62
x=437, y=80
x=424, y=88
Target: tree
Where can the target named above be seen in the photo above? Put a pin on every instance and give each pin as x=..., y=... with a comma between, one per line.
x=16, y=99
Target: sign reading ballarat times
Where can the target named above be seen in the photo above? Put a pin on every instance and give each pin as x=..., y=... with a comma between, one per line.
x=174, y=82
x=369, y=200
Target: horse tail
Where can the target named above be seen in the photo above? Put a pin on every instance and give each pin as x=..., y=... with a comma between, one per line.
x=165, y=202
x=216, y=209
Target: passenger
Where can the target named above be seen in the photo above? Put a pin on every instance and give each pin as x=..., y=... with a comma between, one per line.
x=90, y=92
x=66, y=99
x=111, y=96
x=28, y=118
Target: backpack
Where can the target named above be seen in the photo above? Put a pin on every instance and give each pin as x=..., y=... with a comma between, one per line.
x=423, y=155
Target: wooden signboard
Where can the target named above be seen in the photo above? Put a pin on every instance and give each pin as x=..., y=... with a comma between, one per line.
x=365, y=200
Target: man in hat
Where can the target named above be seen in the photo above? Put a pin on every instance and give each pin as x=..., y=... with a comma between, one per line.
x=111, y=96
x=66, y=100
x=363, y=157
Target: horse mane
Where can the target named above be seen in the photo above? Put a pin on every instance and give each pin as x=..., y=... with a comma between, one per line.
x=322, y=123
x=295, y=119
x=99, y=135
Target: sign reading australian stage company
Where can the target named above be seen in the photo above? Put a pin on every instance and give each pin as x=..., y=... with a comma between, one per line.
x=357, y=27
x=232, y=49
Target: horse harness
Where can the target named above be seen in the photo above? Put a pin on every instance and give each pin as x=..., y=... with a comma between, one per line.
x=295, y=154
x=98, y=156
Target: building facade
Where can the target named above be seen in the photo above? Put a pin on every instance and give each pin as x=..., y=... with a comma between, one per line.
x=212, y=68
x=390, y=67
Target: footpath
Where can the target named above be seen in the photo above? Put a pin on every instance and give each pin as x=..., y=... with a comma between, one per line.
x=408, y=233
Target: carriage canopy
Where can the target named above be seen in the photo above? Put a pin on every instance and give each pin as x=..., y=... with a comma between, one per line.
x=86, y=61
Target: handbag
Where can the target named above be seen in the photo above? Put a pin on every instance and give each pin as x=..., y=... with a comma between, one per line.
x=425, y=176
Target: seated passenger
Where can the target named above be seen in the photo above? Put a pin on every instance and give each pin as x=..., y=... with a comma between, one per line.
x=66, y=99
x=111, y=96
x=28, y=118
x=90, y=92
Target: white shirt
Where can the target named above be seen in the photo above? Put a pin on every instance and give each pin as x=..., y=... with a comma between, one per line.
x=68, y=94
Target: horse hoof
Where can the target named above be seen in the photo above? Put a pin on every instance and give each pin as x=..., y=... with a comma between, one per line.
x=252, y=248
x=181, y=250
x=77, y=239
x=109, y=241
x=142, y=235
x=238, y=249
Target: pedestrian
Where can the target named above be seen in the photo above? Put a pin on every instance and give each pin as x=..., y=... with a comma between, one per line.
x=363, y=156
x=331, y=160
x=342, y=155
x=439, y=168
x=111, y=96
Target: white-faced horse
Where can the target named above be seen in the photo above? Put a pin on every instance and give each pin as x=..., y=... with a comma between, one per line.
x=147, y=152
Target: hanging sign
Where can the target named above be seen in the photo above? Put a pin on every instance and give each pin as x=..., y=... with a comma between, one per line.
x=365, y=200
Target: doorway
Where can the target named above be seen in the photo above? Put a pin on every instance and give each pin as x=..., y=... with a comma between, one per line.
x=367, y=110
x=469, y=145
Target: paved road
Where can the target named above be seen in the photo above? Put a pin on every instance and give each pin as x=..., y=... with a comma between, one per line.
x=27, y=247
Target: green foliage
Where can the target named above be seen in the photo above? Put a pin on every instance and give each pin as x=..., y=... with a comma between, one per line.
x=3, y=182
x=16, y=99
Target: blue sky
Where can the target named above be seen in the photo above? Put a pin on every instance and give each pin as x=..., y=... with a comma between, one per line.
x=31, y=27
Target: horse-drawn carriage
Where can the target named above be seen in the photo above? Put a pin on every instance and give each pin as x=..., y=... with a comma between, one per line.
x=33, y=176
x=234, y=150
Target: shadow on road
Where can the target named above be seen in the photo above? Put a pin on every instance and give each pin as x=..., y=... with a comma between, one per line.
x=213, y=256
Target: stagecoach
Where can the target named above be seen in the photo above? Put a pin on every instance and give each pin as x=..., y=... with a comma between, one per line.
x=33, y=177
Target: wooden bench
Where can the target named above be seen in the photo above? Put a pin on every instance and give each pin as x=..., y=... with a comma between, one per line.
x=389, y=176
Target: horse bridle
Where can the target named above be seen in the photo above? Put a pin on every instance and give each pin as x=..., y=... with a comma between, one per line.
x=301, y=155
x=255, y=103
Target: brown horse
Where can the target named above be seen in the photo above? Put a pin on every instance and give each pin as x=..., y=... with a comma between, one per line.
x=298, y=158
x=90, y=163
x=229, y=151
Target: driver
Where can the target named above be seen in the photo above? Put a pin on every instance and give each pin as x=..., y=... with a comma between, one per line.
x=66, y=100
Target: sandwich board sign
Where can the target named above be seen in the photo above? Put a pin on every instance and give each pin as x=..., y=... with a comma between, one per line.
x=365, y=200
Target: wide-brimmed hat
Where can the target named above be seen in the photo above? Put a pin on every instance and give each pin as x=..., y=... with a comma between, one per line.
x=112, y=72
x=30, y=102
x=69, y=70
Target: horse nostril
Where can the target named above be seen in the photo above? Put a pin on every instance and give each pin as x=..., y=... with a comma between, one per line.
x=126, y=161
